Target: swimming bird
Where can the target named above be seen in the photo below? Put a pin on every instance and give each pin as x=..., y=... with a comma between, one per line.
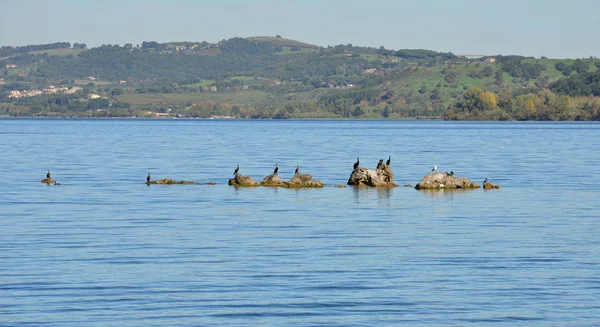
x=275, y=170
x=235, y=172
x=434, y=168
x=485, y=181
x=148, y=178
x=379, y=164
x=357, y=163
x=389, y=161
x=297, y=169
x=48, y=174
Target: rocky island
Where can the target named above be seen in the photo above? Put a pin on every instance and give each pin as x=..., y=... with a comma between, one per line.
x=443, y=180
x=380, y=177
x=243, y=181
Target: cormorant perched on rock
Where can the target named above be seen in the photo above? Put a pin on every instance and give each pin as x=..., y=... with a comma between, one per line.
x=379, y=164
x=434, y=168
x=485, y=181
x=297, y=169
x=148, y=178
x=48, y=174
x=389, y=161
x=357, y=163
x=275, y=170
x=235, y=172
x=452, y=173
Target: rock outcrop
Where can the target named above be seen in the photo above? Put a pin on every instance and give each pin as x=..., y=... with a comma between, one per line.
x=298, y=181
x=272, y=180
x=169, y=182
x=303, y=181
x=48, y=181
x=440, y=180
x=489, y=186
x=382, y=177
x=244, y=181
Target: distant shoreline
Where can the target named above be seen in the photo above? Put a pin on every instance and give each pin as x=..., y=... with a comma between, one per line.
x=297, y=119
x=224, y=119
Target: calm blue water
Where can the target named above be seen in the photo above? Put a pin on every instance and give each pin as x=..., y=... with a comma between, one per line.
x=103, y=249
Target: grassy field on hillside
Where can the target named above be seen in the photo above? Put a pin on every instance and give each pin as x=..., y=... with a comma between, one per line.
x=18, y=70
x=288, y=51
x=242, y=78
x=429, y=78
x=200, y=84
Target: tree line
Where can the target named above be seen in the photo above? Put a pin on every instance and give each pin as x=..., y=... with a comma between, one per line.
x=9, y=50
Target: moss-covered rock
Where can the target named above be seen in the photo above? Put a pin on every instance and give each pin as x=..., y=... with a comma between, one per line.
x=303, y=181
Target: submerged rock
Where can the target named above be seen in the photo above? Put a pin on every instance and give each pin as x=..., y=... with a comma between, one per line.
x=272, y=180
x=169, y=182
x=241, y=180
x=303, y=181
x=439, y=180
x=48, y=181
x=382, y=177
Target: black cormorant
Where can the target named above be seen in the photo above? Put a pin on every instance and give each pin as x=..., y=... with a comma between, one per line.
x=379, y=164
x=485, y=181
x=48, y=174
x=389, y=161
x=297, y=169
x=452, y=173
x=235, y=172
x=275, y=170
x=148, y=178
x=357, y=163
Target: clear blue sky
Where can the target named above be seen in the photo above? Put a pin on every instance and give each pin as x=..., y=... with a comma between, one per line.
x=552, y=28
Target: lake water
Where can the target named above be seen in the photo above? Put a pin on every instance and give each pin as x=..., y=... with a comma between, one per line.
x=104, y=249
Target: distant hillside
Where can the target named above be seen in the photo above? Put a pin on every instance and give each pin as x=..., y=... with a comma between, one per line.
x=282, y=42
x=273, y=77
